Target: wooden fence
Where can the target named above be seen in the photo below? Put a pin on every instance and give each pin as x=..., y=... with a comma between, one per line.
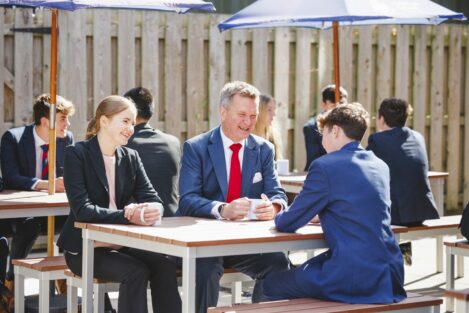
x=184, y=60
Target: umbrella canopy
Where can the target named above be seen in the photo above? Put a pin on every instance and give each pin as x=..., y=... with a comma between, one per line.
x=332, y=13
x=180, y=6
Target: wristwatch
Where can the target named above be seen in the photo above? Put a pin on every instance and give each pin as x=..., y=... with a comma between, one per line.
x=220, y=209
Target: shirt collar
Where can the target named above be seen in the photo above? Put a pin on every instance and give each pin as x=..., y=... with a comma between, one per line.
x=227, y=142
x=38, y=141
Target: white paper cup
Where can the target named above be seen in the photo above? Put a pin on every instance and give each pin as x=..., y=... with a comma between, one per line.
x=254, y=202
x=158, y=206
x=283, y=167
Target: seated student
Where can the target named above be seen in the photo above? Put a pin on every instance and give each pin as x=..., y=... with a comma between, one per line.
x=349, y=189
x=101, y=179
x=24, y=155
x=403, y=150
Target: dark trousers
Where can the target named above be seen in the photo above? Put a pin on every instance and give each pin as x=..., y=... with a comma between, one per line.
x=257, y=266
x=24, y=232
x=133, y=268
x=3, y=258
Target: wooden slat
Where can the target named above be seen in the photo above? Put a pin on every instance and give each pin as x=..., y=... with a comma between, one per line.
x=325, y=63
x=23, y=68
x=281, y=92
x=302, y=93
x=173, y=75
x=437, y=99
x=420, y=79
x=465, y=103
x=238, y=54
x=126, y=51
x=37, y=66
x=46, y=16
x=45, y=264
x=62, y=55
x=216, y=69
x=402, y=62
x=2, y=72
x=346, y=57
x=195, y=79
x=101, y=56
x=454, y=113
x=383, y=64
x=365, y=82
x=259, y=60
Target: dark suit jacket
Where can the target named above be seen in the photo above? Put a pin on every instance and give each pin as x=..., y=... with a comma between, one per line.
x=160, y=154
x=203, y=182
x=313, y=142
x=349, y=189
x=404, y=152
x=88, y=190
x=18, y=157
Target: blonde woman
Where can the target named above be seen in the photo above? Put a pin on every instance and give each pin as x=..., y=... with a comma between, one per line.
x=265, y=126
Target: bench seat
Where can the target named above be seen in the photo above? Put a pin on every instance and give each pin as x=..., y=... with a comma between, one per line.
x=462, y=299
x=459, y=248
x=414, y=303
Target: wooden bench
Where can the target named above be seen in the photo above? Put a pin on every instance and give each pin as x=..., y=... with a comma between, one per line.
x=462, y=299
x=458, y=248
x=415, y=303
x=44, y=269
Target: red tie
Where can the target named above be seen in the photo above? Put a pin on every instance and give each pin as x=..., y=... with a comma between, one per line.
x=234, y=183
x=45, y=161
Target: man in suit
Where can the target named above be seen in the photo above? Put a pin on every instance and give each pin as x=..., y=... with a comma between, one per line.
x=349, y=189
x=403, y=150
x=160, y=152
x=221, y=169
x=24, y=155
x=313, y=138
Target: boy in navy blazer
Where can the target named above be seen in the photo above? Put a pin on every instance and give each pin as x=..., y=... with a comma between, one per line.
x=220, y=171
x=22, y=168
x=348, y=188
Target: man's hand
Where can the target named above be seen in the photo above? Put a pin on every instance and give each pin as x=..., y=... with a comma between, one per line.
x=236, y=209
x=266, y=210
x=44, y=185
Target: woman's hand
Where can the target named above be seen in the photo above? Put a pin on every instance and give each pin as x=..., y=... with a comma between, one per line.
x=142, y=213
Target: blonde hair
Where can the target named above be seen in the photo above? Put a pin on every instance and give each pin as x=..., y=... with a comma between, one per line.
x=109, y=106
x=268, y=132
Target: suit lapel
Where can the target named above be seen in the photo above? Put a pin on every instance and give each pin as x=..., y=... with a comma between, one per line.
x=120, y=173
x=98, y=162
x=251, y=152
x=217, y=155
x=29, y=146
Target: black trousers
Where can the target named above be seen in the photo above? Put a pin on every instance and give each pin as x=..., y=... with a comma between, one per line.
x=24, y=232
x=133, y=269
x=3, y=258
x=257, y=266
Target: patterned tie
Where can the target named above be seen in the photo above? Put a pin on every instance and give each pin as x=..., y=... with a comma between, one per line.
x=234, y=184
x=45, y=161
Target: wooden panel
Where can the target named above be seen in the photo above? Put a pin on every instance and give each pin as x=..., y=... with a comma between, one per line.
x=37, y=66
x=346, y=57
x=62, y=54
x=76, y=75
x=173, y=75
x=2, y=73
x=23, y=68
x=46, y=55
x=101, y=56
x=402, y=62
x=383, y=64
x=420, y=78
x=126, y=51
x=259, y=60
x=216, y=69
x=454, y=112
x=465, y=103
x=238, y=54
x=365, y=80
x=437, y=98
x=195, y=79
x=150, y=56
x=281, y=92
x=325, y=63
x=302, y=94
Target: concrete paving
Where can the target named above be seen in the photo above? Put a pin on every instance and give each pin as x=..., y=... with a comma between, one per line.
x=421, y=277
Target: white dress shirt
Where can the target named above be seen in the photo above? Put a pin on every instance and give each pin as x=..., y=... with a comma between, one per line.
x=38, y=142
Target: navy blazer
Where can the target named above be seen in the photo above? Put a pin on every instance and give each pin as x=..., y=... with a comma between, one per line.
x=18, y=157
x=313, y=142
x=203, y=179
x=349, y=189
x=87, y=189
x=403, y=150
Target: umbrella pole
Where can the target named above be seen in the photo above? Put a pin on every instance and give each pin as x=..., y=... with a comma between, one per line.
x=52, y=148
x=335, y=27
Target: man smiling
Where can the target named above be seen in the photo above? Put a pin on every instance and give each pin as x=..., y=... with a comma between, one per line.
x=220, y=171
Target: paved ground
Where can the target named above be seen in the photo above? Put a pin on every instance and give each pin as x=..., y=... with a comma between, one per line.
x=420, y=277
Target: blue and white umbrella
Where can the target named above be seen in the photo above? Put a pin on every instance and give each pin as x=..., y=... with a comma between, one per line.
x=332, y=13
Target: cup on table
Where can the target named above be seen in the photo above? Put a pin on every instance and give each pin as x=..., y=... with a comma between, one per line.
x=252, y=209
x=283, y=167
x=158, y=206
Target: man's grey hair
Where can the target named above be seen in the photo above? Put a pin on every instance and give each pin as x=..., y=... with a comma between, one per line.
x=238, y=88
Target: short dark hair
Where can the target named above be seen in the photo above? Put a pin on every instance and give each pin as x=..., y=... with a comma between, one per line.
x=41, y=107
x=394, y=111
x=351, y=117
x=143, y=100
x=328, y=94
